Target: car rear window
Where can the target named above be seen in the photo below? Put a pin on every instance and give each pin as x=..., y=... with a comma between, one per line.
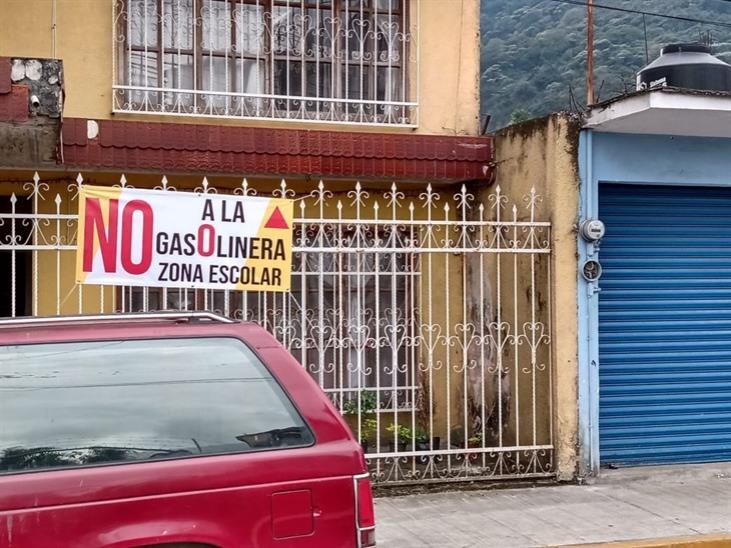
x=85, y=403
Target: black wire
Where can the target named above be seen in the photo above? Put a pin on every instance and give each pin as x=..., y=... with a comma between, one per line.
x=648, y=13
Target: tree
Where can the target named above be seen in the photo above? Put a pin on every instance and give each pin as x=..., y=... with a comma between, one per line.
x=520, y=115
x=534, y=52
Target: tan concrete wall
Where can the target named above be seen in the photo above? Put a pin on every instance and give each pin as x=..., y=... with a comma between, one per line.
x=543, y=153
x=448, y=47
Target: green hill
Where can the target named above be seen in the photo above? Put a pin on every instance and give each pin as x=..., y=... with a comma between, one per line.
x=533, y=58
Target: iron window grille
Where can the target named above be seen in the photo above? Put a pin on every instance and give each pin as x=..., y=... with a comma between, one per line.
x=338, y=61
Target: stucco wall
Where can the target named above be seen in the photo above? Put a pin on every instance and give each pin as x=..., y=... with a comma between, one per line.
x=448, y=46
x=542, y=154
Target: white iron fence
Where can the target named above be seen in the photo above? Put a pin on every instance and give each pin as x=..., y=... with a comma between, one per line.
x=423, y=314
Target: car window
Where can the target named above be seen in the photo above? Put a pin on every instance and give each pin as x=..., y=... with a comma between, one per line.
x=82, y=403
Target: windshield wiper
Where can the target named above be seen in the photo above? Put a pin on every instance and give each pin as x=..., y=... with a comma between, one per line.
x=273, y=437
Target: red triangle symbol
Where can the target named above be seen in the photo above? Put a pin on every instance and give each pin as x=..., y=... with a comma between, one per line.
x=276, y=220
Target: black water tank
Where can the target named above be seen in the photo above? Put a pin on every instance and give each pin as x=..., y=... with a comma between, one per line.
x=689, y=66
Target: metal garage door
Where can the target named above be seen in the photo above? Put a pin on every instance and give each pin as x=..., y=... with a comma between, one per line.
x=665, y=324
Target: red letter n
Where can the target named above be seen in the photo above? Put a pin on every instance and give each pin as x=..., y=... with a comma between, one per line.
x=94, y=224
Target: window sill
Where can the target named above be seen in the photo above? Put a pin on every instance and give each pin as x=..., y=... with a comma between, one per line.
x=264, y=108
x=271, y=120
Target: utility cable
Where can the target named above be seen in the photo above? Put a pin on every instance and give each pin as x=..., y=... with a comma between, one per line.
x=648, y=13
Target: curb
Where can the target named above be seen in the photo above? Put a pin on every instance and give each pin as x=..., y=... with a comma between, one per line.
x=697, y=541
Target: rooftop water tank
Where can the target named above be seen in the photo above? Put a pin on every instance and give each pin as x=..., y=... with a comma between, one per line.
x=690, y=66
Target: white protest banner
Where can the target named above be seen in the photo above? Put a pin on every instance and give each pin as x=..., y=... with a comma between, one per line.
x=178, y=239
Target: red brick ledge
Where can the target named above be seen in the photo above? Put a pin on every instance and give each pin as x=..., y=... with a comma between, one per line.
x=13, y=99
x=211, y=149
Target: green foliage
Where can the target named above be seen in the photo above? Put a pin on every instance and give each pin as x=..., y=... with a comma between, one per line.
x=367, y=428
x=403, y=433
x=367, y=402
x=519, y=115
x=421, y=435
x=533, y=53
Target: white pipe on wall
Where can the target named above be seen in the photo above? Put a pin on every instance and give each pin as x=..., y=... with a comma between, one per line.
x=53, y=29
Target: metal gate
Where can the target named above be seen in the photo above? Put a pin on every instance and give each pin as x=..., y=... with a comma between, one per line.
x=423, y=313
x=664, y=324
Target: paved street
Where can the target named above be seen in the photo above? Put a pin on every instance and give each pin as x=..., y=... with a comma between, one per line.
x=626, y=504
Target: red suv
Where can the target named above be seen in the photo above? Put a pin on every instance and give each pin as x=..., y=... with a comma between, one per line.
x=170, y=430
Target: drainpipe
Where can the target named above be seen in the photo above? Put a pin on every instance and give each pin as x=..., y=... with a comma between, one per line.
x=53, y=29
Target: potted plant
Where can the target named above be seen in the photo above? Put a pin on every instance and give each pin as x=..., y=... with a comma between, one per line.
x=367, y=429
x=365, y=403
x=474, y=442
x=403, y=435
x=423, y=443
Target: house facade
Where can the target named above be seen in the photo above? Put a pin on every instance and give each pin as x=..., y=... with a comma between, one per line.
x=638, y=195
x=654, y=354
x=421, y=294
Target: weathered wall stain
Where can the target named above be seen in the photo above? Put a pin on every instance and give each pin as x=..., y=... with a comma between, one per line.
x=542, y=153
x=30, y=112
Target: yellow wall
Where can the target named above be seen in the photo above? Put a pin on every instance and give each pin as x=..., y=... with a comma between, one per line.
x=448, y=42
x=542, y=153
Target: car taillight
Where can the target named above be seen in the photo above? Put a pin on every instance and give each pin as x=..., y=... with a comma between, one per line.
x=366, y=517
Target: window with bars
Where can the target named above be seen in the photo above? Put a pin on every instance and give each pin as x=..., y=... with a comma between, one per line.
x=320, y=60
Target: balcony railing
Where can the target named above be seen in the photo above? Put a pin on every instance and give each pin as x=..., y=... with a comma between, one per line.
x=183, y=102
x=332, y=61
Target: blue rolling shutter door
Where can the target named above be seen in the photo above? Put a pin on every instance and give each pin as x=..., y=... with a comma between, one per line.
x=665, y=325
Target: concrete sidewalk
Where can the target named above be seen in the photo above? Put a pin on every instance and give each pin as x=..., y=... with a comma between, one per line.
x=630, y=504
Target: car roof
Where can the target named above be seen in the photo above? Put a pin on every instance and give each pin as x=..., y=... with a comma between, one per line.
x=168, y=315
x=37, y=330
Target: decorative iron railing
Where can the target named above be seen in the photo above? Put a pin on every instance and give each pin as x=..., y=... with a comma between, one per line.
x=423, y=313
